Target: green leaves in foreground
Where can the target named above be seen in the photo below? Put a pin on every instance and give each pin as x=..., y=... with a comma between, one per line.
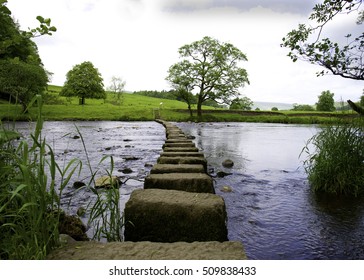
x=337, y=165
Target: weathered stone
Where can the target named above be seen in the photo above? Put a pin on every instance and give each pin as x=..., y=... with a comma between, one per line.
x=213, y=250
x=180, y=149
x=182, y=154
x=72, y=226
x=228, y=163
x=107, y=182
x=178, y=140
x=189, y=182
x=177, y=168
x=180, y=145
x=170, y=216
x=183, y=160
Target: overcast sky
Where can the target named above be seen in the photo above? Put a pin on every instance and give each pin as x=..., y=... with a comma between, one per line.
x=138, y=40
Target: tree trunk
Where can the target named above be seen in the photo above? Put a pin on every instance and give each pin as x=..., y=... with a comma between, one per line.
x=189, y=108
x=199, y=108
x=356, y=108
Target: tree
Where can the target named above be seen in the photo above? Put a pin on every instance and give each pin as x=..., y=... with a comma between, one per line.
x=209, y=68
x=22, y=80
x=243, y=103
x=302, y=107
x=183, y=93
x=305, y=43
x=22, y=74
x=117, y=87
x=84, y=81
x=326, y=102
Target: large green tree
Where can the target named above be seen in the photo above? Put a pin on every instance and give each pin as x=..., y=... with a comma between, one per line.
x=84, y=81
x=210, y=69
x=326, y=102
x=342, y=59
x=22, y=74
x=244, y=103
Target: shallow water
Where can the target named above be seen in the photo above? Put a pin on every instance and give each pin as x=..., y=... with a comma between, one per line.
x=270, y=208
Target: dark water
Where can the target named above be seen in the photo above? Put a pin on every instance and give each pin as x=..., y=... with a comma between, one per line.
x=270, y=208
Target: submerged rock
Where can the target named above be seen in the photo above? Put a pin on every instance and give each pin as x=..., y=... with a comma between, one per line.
x=222, y=174
x=107, y=182
x=72, y=226
x=228, y=163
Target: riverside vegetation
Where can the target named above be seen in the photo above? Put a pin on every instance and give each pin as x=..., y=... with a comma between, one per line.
x=134, y=107
x=30, y=209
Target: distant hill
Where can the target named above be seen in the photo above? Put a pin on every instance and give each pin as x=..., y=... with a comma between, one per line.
x=270, y=105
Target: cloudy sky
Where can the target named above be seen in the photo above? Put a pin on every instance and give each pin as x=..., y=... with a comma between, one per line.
x=138, y=40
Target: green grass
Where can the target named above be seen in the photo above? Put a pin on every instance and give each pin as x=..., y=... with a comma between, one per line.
x=133, y=107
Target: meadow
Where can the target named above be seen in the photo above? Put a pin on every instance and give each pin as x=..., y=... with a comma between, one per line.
x=134, y=107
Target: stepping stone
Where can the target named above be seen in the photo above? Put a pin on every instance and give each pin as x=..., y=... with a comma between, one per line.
x=181, y=145
x=171, y=216
x=213, y=250
x=182, y=154
x=180, y=149
x=188, y=182
x=183, y=160
x=179, y=140
x=177, y=168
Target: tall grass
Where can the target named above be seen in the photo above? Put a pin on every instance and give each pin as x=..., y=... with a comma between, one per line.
x=105, y=213
x=337, y=164
x=29, y=198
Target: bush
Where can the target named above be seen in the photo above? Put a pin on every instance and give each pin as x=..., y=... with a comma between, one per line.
x=337, y=165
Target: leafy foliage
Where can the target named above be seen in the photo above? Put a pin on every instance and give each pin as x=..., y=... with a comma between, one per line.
x=343, y=60
x=211, y=68
x=326, y=102
x=302, y=107
x=22, y=81
x=84, y=81
x=244, y=103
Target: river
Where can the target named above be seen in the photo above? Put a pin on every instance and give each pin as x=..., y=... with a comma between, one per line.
x=270, y=207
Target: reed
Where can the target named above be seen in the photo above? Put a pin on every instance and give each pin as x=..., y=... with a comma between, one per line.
x=29, y=198
x=337, y=164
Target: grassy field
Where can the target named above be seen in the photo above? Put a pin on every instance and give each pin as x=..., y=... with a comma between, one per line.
x=133, y=107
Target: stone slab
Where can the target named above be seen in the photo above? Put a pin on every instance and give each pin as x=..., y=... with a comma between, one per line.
x=182, y=154
x=180, y=149
x=181, y=145
x=183, y=160
x=177, y=168
x=172, y=216
x=189, y=182
x=213, y=250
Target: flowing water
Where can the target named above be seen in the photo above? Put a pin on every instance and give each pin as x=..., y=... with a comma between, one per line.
x=269, y=204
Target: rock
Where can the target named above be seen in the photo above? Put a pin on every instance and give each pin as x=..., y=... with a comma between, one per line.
x=78, y=184
x=76, y=137
x=108, y=148
x=158, y=215
x=222, y=174
x=126, y=170
x=72, y=226
x=81, y=211
x=213, y=250
x=65, y=239
x=127, y=140
x=107, y=182
x=191, y=137
x=131, y=158
x=148, y=164
x=226, y=189
x=228, y=163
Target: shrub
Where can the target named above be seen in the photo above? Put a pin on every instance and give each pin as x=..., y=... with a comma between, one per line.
x=337, y=165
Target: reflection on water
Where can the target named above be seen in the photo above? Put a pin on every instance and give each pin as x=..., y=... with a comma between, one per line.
x=271, y=209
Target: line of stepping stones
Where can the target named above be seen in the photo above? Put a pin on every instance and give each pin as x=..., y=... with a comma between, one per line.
x=176, y=216
x=178, y=202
